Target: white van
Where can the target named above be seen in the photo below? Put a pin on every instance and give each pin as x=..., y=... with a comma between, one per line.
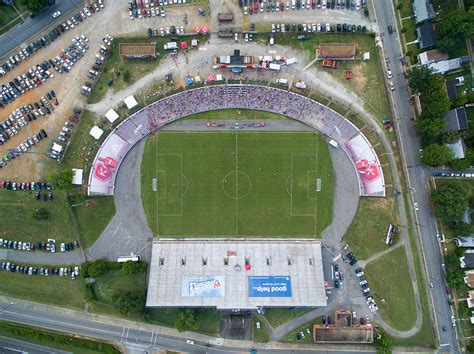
x=291, y=61
x=333, y=143
x=282, y=82
x=171, y=46
x=272, y=40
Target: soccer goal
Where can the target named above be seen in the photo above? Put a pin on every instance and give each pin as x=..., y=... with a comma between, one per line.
x=318, y=185
x=154, y=183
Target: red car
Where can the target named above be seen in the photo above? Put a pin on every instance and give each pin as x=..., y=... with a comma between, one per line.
x=255, y=7
x=448, y=290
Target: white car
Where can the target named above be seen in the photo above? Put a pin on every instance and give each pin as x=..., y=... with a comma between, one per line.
x=416, y=206
x=130, y=13
x=56, y=14
x=99, y=57
x=162, y=33
x=245, y=11
x=392, y=86
x=389, y=73
x=189, y=341
x=84, y=38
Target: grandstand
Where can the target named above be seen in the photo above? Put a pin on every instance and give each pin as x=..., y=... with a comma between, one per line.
x=301, y=108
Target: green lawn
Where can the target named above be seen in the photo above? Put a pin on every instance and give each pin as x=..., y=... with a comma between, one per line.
x=367, y=80
x=208, y=318
x=17, y=208
x=308, y=338
x=56, y=340
x=237, y=184
x=260, y=335
x=389, y=279
x=366, y=235
x=54, y=290
x=93, y=215
x=8, y=14
x=279, y=316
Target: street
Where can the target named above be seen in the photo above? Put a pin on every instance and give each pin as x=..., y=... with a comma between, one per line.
x=417, y=177
x=26, y=31
x=143, y=337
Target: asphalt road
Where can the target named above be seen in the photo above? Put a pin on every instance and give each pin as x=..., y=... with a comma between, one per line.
x=418, y=177
x=136, y=340
x=14, y=346
x=33, y=26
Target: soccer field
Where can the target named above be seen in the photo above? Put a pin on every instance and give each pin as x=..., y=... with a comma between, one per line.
x=237, y=184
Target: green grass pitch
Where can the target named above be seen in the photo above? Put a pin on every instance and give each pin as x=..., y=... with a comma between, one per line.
x=237, y=184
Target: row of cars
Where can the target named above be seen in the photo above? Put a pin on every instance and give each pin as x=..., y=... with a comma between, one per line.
x=66, y=58
x=317, y=27
x=364, y=285
x=47, y=39
x=93, y=74
x=49, y=246
x=135, y=10
x=25, y=114
x=73, y=272
x=173, y=30
x=23, y=147
x=454, y=174
x=25, y=186
x=254, y=6
x=31, y=79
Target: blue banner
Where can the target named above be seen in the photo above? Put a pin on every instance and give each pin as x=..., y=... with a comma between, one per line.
x=269, y=286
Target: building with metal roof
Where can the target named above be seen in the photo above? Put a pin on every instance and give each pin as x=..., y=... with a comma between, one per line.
x=456, y=119
x=236, y=273
x=426, y=36
x=423, y=11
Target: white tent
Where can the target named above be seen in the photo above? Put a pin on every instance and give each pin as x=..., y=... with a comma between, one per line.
x=77, y=175
x=96, y=132
x=111, y=115
x=58, y=148
x=366, y=56
x=130, y=101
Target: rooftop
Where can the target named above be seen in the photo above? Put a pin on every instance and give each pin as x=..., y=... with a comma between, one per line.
x=456, y=119
x=423, y=11
x=426, y=36
x=431, y=56
x=451, y=89
x=236, y=273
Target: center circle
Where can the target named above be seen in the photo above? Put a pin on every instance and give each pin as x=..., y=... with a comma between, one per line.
x=236, y=184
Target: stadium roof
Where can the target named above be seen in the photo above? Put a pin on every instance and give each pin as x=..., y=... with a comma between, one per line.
x=236, y=273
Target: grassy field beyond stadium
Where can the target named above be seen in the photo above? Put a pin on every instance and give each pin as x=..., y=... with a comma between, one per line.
x=237, y=184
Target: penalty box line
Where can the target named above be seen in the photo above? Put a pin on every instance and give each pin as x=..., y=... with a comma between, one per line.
x=180, y=187
x=307, y=187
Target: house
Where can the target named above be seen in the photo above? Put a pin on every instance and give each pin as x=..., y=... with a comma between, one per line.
x=470, y=299
x=426, y=36
x=423, y=11
x=456, y=119
x=467, y=260
x=432, y=56
x=451, y=89
x=458, y=148
x=464, y=241
x=469, y=278
x=443, y=66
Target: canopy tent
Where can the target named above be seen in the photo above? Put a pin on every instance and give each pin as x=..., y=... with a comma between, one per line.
x=130, y=101
x=197, y=29
x=77, y=176
x=211, y=78
x=189, y=80
x=184, y=45
x=96, y=132
x=111, y=115
x=56, y=147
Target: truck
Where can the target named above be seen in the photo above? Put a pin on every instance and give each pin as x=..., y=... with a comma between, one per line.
x=291, y=61
x=275, y=67
x=170, y=46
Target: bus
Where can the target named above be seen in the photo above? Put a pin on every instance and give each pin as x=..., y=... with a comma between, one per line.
x=133, y=258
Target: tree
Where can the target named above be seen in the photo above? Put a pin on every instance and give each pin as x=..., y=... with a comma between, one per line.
x=435, y=101
x=429, y=130
x=95, y=269
x=462, y=229
x=131, y=267
x=436, y=155
x=451, y=200
x=41, y=214
x=383, y=344
x=34, y=6
x=187, y=321
x=455, y=26
x=418, y=77
x=129, y=301
x=455, y=278
x=459, y=164
x=452, y=136
x=62, y=179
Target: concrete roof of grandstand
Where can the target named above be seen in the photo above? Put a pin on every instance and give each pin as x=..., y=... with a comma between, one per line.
x=337, y=51
x=236, y=273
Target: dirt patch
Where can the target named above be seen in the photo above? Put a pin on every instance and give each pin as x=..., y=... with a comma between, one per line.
x=358, y=78
x=381, y=204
